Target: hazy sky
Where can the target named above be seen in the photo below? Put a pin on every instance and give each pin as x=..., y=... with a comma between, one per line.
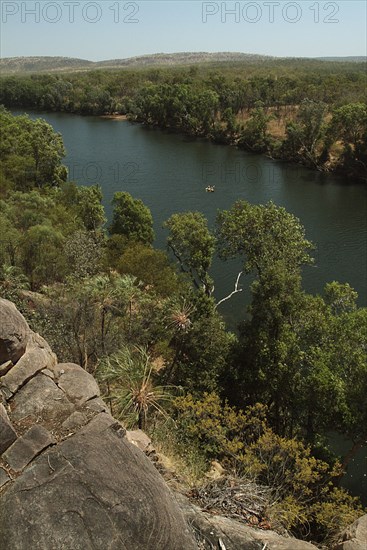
x=115, y=29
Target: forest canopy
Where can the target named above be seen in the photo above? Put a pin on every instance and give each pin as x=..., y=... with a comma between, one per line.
x=306, y=111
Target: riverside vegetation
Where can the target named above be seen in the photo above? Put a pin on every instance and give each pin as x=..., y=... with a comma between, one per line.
x=261, y=401
x=299, y=110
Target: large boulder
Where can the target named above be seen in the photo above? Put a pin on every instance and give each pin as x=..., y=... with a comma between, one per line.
x=92, y=491
x=355, y=536
x=14, y=332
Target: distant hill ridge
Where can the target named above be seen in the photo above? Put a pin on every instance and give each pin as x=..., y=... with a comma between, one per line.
x=11, y=65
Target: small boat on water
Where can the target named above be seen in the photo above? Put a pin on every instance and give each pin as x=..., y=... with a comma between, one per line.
x=210, y=188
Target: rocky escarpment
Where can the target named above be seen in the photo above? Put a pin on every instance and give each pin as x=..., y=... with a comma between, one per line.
x=69, y=477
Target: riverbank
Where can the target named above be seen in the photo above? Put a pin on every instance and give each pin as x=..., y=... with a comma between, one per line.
x=114, y=117
x=330, y=166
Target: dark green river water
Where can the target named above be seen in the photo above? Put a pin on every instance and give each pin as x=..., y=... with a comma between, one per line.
x=169, y=172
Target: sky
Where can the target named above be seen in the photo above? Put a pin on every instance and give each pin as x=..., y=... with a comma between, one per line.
x=111, y=29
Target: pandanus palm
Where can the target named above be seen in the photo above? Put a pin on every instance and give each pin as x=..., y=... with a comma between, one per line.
x=133, y=392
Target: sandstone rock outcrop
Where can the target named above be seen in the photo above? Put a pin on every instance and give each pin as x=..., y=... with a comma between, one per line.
x=69, y=477
x=355, y=536
x=13, y=333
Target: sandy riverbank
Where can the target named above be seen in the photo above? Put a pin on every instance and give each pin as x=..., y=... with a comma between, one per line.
x=115, y=117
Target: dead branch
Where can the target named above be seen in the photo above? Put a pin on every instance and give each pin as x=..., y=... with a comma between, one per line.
x=236, y=289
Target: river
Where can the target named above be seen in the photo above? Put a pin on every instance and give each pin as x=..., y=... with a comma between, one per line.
x=169, y=172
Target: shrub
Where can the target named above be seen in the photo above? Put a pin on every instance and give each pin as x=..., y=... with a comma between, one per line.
x=219, y=431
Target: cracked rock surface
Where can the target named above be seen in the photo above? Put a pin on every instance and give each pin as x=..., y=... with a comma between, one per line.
x=69, y=477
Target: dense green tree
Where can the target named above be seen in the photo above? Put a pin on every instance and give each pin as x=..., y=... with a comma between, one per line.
x=114, y=248
x=346, y=357
x=193, y=245
x=131, y=218
x=349, y=125
x=202, y=354
x=262, y=236
x=84, y=251
x=255, y=136
x=89, y=206
x=304, y=357
x=34, y=148
x=266, y=363
x=304, y=135
x=150, y=266
x=41, y=259
x=341, y=298
x=9, y=240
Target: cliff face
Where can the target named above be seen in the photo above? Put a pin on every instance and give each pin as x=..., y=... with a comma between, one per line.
x=69, y=477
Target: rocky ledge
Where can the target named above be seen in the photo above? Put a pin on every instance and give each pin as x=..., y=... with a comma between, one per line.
x=72, y=478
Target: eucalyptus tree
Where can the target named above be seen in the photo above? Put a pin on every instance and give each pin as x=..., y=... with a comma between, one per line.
x=271, y=244
x=36, y=149
x=131, y=218
x=349, y=125
x=304, y=139
x=193, y=245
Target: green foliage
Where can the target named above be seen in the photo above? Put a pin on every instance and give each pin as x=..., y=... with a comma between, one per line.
x=201, y=353
x=44, y=220
x=84, y=251
x=334, y=514
x=304, y=136
x=341, y=298
x=10, y=238
x=95, y=316
x=41, y=259
x=177, y=106
x=132, y=391
x=12, y=280
x=349, y=125
x=86, y=202
x=193, y=245
x=264, y=236
x=150, y=266
x=115, y=246
x=218, y=431
x=131, y=218
x=255, y=136
x=39, y=229
x=267, y=355
x=239, y=84
x=288, y=466
x=31, y=152
x=304, y=499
